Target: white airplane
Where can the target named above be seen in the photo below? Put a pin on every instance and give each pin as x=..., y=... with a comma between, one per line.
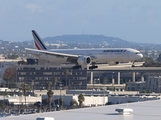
x=84, y=57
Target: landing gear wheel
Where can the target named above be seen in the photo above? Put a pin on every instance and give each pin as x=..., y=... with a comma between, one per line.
x=93, y=67
x=133, y=65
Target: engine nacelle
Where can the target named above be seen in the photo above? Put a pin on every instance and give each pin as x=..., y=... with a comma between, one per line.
x=84, y=60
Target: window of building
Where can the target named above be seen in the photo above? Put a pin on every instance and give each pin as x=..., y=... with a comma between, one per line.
x=47, y=73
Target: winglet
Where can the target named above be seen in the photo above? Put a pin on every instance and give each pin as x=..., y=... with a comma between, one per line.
x=38, y=42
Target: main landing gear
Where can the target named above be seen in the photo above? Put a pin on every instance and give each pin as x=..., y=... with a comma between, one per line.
x=133, y=64
x=93, y=67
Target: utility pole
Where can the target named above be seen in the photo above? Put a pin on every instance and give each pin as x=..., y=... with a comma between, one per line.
x=60, y=88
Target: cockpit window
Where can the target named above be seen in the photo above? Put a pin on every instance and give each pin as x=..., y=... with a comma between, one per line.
x=137, y=53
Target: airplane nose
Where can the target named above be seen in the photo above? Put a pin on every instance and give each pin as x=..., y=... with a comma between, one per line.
x=141, y=55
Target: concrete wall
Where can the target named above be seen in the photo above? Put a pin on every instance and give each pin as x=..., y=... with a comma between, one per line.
x=44, y=92
x=89, y=100
x=126, y=99
x=93, y=100
x=21, y=99
x=102, y=100
x=4, y=89
x=88, y=92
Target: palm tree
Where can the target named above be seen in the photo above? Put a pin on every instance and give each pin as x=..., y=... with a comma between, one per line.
x=24, y=88
x=66, y=74
x=73, y=103
x=48, y=86
x=61, y=102
x=81, y=99
x=50, y=96
x=55, y=80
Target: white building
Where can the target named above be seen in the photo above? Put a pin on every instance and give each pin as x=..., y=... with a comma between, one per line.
x=99, y=100
x=16, y=100
x=89, y=100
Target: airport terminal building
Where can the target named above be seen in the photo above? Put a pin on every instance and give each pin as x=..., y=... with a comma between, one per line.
x=39, y=76
x=114, y=78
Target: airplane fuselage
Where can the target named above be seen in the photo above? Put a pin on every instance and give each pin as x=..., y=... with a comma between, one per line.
x=109, y=55
x=83, y=57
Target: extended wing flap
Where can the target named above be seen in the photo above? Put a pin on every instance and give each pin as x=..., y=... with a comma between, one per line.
x=53, y=53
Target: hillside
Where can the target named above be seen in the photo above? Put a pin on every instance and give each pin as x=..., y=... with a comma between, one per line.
x=91, y=39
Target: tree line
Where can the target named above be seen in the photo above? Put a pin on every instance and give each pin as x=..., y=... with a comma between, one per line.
x=150, y=62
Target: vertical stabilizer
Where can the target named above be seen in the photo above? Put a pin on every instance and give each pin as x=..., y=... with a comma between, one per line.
x=38, y=42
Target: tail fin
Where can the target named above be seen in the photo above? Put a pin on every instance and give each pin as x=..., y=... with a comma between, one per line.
x=38, y=42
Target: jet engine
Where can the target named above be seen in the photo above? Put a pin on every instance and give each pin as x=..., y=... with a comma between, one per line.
x=84, y=60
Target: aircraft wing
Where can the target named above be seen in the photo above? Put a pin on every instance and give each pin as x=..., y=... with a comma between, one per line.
x=53, y=53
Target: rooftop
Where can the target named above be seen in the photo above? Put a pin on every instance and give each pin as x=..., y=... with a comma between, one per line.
x=149, y=110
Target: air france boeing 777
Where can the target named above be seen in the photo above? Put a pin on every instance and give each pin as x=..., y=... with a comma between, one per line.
x=83, y=57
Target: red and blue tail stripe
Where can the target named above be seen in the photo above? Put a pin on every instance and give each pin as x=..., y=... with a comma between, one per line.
x=38, y=42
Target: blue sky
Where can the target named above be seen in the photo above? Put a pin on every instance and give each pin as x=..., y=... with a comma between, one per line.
x=131, y=20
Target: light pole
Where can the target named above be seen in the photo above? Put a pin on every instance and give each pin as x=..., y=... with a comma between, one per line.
x=60, y=87
x=33, y=87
